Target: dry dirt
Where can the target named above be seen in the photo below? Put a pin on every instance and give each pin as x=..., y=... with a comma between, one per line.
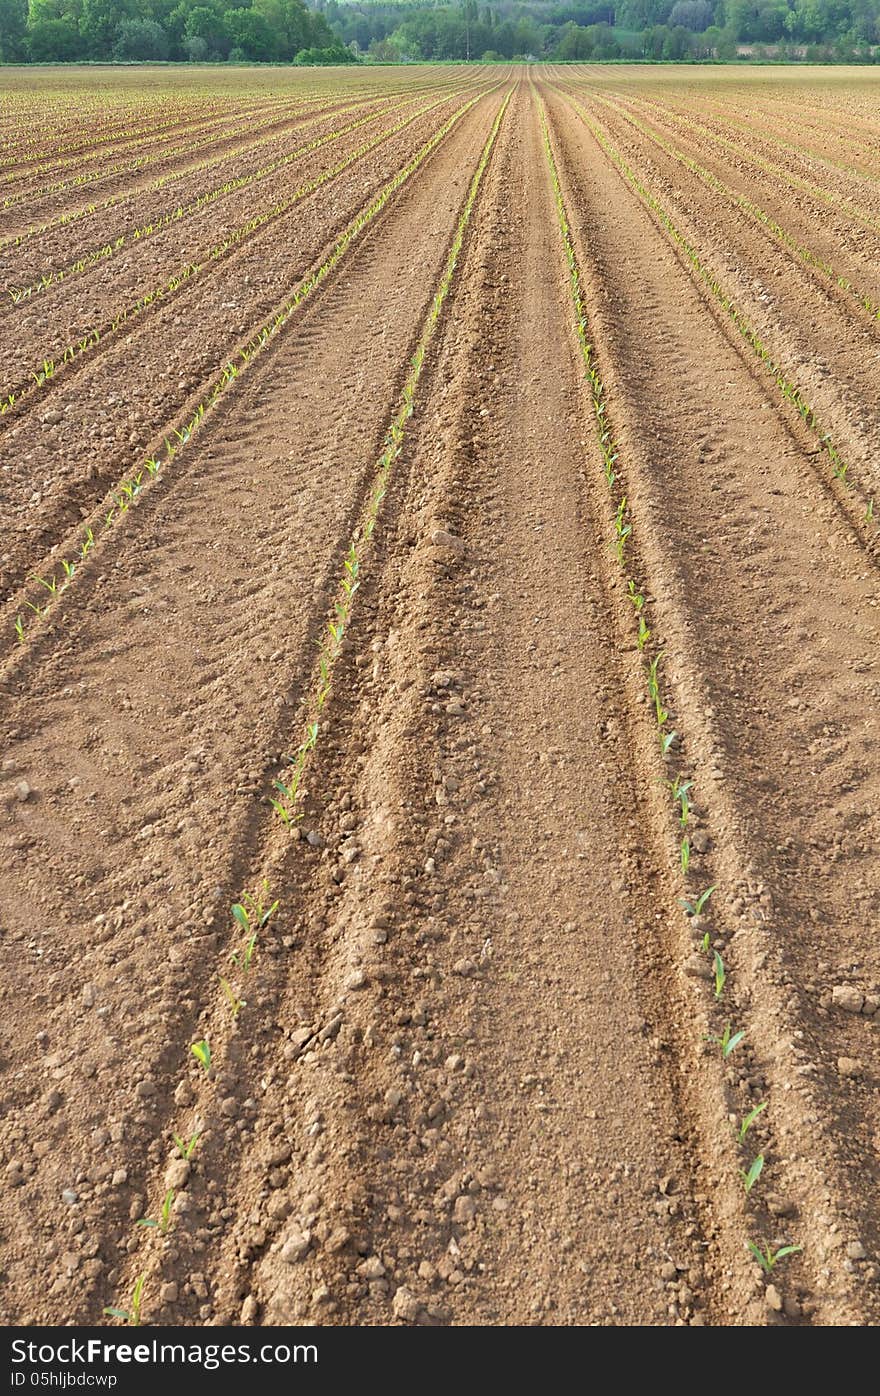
x=475, y=1074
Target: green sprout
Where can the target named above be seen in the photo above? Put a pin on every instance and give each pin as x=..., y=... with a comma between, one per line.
x=768, y=1258
x=726, y=1042
x=720, y=974
x=695, y=908
x=235, y=1003
x=748, y=1120
x=186, y=1148
x=202, y=1053
x=163, y=1225
x=132, y=1315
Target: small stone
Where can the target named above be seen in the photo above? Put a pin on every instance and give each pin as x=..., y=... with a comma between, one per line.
x=698, y=967
x=856, y=1251
x=296, y=1247
x=337, y=1240
x=22, y=791
x=668, y=1271
x=405, y=1305
x=89, y=995
x=781, y=1206
x=371, y=1268
x=845, y=996
x=773, y=1299
x=700, y=841
x=120, y=1178
x=465, y=1210
x=168, y=1292
x=356, y=980
x=450, y=542
x=177, y=1173
x=183, y=1094
x=229, y=1107
x=850, y=1066
x=144, y=1089
x=250, y=1310
x=70, y=1197
x=465, y=968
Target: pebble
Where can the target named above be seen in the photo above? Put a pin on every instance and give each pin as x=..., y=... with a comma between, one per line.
x=850, y=999
x=465, y=1209
x=465, y=968
x=773, y=1299
x=120, y=1178
x=698, y=967
x=249, y=1310
x=177, y=1173
x=69, y=1196
x=144, y=1089
x=89, y=994
x=22, y=791
x=850, y=1066
x=296, y=1247
x=442, y=538
x=700, y=841
x=405, y=1305
x=781, y=1206
x=371, y=1268
x=856, y=1251
x=168, y=1292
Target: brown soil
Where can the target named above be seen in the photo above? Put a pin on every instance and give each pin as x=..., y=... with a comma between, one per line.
x=472, y=1080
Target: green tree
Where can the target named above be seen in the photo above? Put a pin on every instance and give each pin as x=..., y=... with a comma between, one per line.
x=13, y=26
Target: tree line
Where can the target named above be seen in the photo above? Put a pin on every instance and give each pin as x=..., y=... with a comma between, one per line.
x=600, y=30
x=195, y=31
x=340, y=31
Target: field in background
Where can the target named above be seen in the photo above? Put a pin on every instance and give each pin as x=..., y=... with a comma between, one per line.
x=439, y=631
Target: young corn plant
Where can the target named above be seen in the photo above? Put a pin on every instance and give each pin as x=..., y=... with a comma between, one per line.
x=767, y=1258
x=202, y=1053
x=748, y=1120
x=751, y=1174
x=131, y=1315
x=164, y=1222
x=695, y=908
x=720, y=974
x=235, y=1003
x=253, y=913
x=186, y=1147
x=727, y=1042
x=244, y=960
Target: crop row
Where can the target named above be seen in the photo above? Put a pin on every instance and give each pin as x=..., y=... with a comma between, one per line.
x=780, y=172
x=162, y=220
x=124, y=140
x=755, y=212
x=107, y=172
x=48, y=372
x=69, y=216
x=130, y=487
x=785, y=384
x=804, y=151
x=254, y=911
x=727, y=1038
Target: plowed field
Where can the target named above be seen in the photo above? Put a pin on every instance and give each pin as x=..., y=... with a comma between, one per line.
x=440, y=784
